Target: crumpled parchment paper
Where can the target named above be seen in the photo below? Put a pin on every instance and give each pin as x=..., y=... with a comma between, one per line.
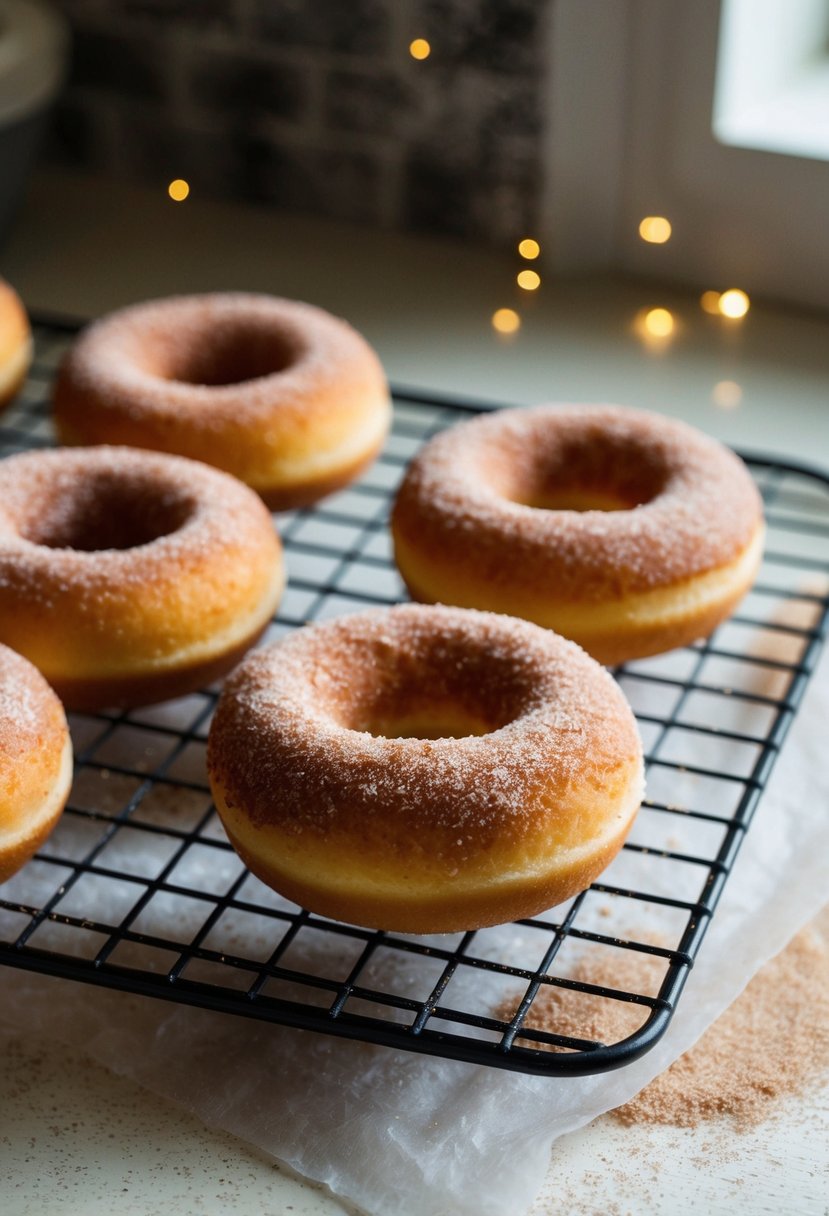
x=408, y=1135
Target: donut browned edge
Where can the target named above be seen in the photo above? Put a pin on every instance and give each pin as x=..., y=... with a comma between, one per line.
x=281, y=394
x=129, y=577
x=35, y=761
x=425, y=769
x=628, y=532
x=16, y=345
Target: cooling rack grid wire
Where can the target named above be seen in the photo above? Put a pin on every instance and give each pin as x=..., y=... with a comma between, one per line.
x=138, y=889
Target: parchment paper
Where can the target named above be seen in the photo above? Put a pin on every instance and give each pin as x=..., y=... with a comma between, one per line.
x=404, y=1135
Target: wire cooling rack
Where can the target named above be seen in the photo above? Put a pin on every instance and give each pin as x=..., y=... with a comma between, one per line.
x=138, y=889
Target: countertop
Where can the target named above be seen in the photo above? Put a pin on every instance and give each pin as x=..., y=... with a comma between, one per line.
x=75, y=1137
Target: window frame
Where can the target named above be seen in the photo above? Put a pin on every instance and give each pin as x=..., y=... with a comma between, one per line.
x=631, y=97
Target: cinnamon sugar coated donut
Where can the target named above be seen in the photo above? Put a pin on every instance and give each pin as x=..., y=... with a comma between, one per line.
x=288, y=398
x=424, y=769
x=35, y=761
x=15, y=344
x=626, y=531
x=127, y=577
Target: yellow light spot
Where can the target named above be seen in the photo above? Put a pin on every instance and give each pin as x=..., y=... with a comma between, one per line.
x=178, y=190
x=419, y=48
x=659, y=323
x=655, y=229
x=709, y=302
x=506, y=321
x=530, y=280
x=734, y=303
x=529, y=249
x=727, y=394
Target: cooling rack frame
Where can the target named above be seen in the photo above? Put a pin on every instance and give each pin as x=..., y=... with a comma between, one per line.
x=409, y=1022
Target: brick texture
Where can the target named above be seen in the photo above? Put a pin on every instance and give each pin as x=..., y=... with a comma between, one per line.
x=317, y=106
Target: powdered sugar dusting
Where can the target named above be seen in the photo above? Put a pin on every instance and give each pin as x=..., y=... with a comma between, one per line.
x=693, y=505
x=288, y=741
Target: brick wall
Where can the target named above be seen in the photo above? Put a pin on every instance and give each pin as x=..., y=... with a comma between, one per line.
x=317, y=105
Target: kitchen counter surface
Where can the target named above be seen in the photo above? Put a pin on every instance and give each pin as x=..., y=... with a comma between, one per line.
x=74, y=1136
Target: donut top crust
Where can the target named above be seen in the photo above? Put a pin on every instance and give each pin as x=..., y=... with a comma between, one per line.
x=289, y=736
x=223, y=356
x=114, y=523
x=32, y=728
x=691, y=504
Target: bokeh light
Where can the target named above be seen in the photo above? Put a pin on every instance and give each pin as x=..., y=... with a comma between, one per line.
x=419, y=48
x=529, y=248
x=655, y=229
x=734, y=303
x=709, y=302
x=178, y=190
x=727, y=394
x=529, y=280
x=506, y=321
x=658, y=322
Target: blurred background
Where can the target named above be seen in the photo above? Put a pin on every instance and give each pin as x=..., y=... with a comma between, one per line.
x=332, y=108
x=484, y=120
x=518, y=200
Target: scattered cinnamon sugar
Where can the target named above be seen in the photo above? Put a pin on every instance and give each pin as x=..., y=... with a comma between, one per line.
x=771, y=1043
x=583, y=1015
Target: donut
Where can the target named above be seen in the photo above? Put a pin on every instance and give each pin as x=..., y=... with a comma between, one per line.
x=628, y=532
x=128, y=577
x=425, y=769
x=35, y=761
x=15, y=344
x=288, y=398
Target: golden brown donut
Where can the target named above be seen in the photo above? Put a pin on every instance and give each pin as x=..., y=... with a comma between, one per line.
x=127, y=577
x=423, y=769
x=35, y=761
x=288, y=398
x=626, y=531
x=15, y=344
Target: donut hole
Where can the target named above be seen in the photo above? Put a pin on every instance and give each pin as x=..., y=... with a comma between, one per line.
x=98, y=512
x=576, y=499
x=448, y=720
x=429, y=692
x=593, y=472
x=229, y=354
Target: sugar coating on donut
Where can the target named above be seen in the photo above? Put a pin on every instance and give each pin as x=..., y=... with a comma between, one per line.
x=286, y=397
x=35, y=761
x=691, y=505
x=21, y=705
x=289, y=739
x=129, y=577
x=221, y=356
x=55, y=506
x=29, y=723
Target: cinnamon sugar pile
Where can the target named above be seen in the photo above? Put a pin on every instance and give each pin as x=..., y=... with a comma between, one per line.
x=771, y=1043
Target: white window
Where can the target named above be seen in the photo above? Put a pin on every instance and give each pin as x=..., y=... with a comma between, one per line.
x=713, y=113
x=772, y=86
